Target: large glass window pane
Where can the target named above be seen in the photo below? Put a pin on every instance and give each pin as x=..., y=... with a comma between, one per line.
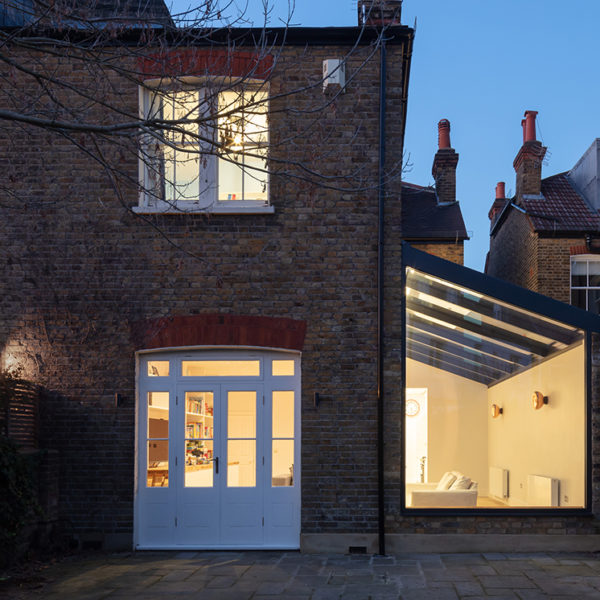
x=199, y=469
x=495, y=412
x=220, y=368
x=241, y=463
x=231, y=178
x=283, y=463
x=283, y=414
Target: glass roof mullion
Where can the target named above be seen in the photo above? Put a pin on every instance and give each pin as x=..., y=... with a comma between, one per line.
x=481, y=345
x=483, y=329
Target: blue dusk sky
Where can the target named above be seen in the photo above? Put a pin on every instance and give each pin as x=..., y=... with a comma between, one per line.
x=481, y=64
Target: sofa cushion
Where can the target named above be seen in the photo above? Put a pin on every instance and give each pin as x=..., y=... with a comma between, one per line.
x=446, y=481
x=461, y=483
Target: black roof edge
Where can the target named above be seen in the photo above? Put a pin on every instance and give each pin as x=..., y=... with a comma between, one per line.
x=502, y=215
x=500, y=289
x=289, y=36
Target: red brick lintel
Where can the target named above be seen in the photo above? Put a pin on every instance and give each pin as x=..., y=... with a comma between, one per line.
x=199, y=62
x=219, y=330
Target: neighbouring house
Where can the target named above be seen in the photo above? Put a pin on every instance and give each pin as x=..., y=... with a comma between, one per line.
x=234, y=346
x=547, y=237
x=431, y=217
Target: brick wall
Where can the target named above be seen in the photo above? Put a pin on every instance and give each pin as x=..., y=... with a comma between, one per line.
x=513, y=252
x=554, y=260
x=454, y=252
x=79, y=268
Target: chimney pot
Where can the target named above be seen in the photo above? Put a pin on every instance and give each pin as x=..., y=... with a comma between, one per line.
x=500, y=190
x=379, y=12
x=444, y=134
x=529, y=128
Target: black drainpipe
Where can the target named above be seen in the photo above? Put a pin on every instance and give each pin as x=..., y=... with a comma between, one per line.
x=381, y=205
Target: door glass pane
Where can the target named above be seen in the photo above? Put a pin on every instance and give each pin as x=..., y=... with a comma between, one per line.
x=158, y=415
x=283, y=414
x=199, y=431
x=158, y=368
x=220, y=368
x=158, y=439
x=199, y=469
x=241, y=415
x=241, y=463
x=283, y=463
x=158, y=463
x=283, y=367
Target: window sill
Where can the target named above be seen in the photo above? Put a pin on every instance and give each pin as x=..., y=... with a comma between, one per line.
x=211, y=210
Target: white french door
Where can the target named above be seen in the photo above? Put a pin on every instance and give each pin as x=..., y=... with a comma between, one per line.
x=218, y=450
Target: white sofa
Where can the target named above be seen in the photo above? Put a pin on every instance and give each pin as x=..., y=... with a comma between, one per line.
x=443, y=494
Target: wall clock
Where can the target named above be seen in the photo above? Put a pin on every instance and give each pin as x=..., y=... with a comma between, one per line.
x=412, y=408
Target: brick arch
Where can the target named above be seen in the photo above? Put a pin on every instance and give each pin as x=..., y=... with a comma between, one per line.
x=219, y=330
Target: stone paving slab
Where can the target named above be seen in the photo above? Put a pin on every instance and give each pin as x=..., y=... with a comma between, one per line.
x=293, y=576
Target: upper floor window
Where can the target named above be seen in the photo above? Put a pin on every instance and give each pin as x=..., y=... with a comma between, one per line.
x=210, y=153
x=585, y=282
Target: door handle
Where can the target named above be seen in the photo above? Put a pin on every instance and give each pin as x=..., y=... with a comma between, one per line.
x=216, y=459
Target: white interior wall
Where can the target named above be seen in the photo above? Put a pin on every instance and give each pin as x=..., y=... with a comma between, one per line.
x=457, y=423
x=549, y=441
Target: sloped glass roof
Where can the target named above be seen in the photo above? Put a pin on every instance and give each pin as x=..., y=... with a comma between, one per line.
x=480, y=327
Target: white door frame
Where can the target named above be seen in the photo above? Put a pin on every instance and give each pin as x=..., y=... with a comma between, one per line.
x=280, y=503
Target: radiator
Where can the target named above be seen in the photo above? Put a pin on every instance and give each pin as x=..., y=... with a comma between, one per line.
x=543, y=491
x=498, y=482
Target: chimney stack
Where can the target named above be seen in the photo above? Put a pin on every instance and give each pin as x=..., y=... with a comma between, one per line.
x=379, y=12
x=528, y=162
x=499, y=202
x=444, y=165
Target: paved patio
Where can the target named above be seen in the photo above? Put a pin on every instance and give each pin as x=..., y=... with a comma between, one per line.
x=295, y=576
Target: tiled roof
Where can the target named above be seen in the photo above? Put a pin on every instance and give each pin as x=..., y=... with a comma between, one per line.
x=423, y=218
x=560, y=208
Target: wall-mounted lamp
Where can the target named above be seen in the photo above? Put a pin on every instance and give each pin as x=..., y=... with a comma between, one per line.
x=538, y=400
x=496, y=411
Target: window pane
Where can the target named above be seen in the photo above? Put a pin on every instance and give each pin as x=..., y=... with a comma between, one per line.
x=241, y=414
x=241, y=463
x=256, y=118
x=594, y=301
x=594, y=273
x=158, y=415
x=283, y=414
x=231, y=178
x=199, y=469
x=220, y=368
x=283, y=463
x=579, y=273
x=158, y=368
x=158, y=463
x=187, y=171
x=579, y=298
x=255, y=177
x=283, y=367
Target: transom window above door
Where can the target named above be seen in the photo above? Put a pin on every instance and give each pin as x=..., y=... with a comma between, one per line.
x=205, y=148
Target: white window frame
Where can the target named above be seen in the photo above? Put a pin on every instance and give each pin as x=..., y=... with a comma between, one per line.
x=581, y=258
x=207, y=203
